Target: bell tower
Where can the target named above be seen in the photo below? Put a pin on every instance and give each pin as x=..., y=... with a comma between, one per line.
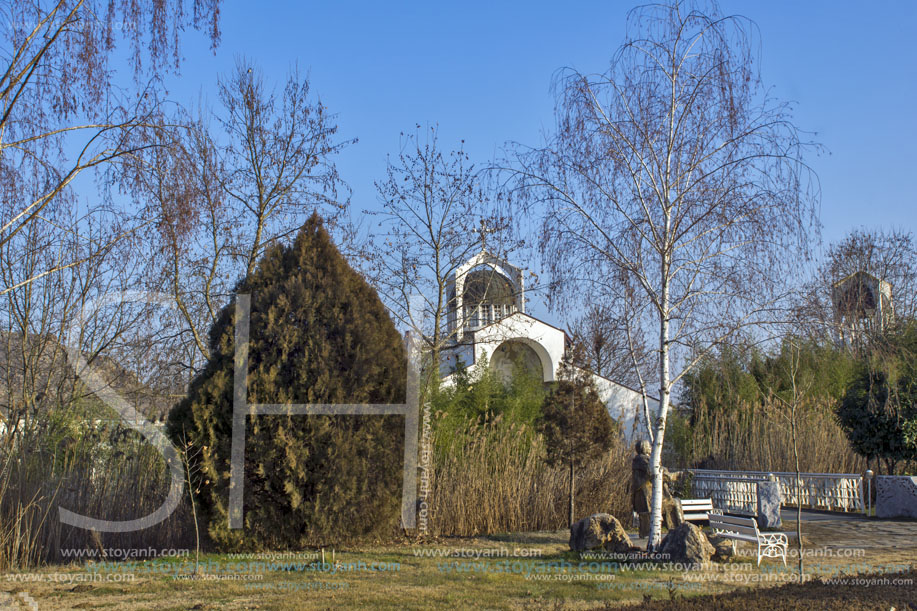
x=482, y=291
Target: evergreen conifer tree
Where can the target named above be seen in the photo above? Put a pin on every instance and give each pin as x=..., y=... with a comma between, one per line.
x=576, y=425
x=318, y=334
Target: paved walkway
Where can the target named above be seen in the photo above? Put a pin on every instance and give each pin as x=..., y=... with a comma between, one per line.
x=808, y=515
x=845, y=531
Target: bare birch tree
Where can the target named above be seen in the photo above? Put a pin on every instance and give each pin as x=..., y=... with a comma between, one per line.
x=677, y=170
x=828, y=311
x=890, y=255
x=790, y=404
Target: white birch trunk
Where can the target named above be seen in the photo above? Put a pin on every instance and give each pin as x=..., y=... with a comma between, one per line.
x=655, y=536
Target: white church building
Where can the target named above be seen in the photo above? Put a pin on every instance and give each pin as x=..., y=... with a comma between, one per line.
x=487, y=321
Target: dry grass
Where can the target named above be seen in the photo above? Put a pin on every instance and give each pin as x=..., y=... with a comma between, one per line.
x=486, y=478
x=493, y=478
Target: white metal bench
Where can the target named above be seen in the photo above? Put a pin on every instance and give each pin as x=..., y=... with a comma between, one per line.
x=770, y=545
x=697, y=510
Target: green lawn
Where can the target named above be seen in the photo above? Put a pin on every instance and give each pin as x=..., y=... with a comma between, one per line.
x=531, y=570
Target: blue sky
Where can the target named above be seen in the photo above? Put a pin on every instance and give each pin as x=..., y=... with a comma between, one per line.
x=482, y=71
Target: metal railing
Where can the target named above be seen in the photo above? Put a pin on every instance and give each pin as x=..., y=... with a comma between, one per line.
x=737, y=492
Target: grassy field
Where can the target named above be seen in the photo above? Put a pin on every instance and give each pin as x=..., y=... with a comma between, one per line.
x=531, y=570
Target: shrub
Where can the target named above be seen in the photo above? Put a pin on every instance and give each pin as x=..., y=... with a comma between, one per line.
x=478, y=395
x=493, y=477
x=879, y=410
x=732, y=421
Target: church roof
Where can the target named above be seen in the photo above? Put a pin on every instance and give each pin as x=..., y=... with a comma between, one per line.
x=517, y=313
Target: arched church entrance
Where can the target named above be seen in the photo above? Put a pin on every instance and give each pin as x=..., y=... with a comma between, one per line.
x=516, y=356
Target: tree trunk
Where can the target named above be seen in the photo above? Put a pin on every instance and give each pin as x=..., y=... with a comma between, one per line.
x=572, y=488
x=429, y=383
x=892, y=466
x=798, y=496
x=655, y=536
x=197, y=532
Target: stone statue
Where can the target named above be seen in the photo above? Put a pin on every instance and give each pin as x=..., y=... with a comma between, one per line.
x=642, y=485
x=642, y=492
x=641, y=477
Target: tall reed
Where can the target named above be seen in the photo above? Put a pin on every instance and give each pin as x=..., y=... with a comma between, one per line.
x=758, y=438
x=493, y=478
x=113, y=481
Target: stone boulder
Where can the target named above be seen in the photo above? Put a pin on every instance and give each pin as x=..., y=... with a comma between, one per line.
x=896, y=496
x=687, y=543
x=600, y=531
x=723, y=547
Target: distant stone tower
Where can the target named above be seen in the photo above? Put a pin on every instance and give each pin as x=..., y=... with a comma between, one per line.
x=862, y=306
